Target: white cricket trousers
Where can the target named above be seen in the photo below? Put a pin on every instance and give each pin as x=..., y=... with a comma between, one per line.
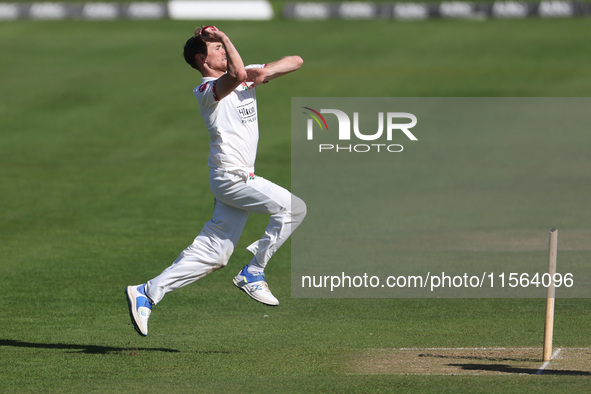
x=237, y=193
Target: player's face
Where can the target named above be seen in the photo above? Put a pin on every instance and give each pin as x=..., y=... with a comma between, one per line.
x=216, y=56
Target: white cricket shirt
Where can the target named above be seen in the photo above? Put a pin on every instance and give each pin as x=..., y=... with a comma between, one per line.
x=232, y=124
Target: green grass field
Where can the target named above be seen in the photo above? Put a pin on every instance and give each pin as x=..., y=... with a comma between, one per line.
x=103, y=181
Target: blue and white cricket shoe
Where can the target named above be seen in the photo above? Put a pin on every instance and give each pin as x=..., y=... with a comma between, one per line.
x=255, y=286
x=140, y=307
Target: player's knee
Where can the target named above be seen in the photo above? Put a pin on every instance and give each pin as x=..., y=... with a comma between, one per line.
x=298, y=208
x=225, y=255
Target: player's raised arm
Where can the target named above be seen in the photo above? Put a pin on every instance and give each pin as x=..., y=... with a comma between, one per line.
x=274, y=69
x=282, y=66
x=223, y=61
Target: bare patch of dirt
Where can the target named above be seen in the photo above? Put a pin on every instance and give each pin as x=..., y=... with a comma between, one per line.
x=472, y=361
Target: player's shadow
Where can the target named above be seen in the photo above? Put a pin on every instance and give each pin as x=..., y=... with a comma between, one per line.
x=509, y=369
x=89, y=349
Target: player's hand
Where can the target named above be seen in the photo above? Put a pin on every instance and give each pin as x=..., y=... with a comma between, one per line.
x=212, y=34
x=256, y=76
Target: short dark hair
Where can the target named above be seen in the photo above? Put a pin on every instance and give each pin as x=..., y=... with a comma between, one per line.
x=194, y=45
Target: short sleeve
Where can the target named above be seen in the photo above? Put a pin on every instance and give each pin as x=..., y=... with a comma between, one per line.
x=205, y=93
x=249, y=84
x=256, y=66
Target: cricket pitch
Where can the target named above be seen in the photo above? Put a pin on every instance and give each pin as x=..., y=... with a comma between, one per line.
x=472, y=361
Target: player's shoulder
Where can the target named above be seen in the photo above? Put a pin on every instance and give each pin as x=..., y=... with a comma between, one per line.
x=204, y=85
x=206, y=90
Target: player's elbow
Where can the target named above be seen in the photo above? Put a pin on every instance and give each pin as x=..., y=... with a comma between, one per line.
x=297, y=61
x=238, y=75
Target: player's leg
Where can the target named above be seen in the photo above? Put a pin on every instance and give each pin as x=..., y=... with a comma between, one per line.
x=258, y=195
x=210, y=251
x=287, y=213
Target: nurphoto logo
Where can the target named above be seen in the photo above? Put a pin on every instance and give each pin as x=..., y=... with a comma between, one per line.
x=391, y=124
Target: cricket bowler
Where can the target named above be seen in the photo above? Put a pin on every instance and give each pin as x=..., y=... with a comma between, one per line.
x=228, y=106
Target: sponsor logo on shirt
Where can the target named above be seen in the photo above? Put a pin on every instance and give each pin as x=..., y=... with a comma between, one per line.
x=248, y=111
